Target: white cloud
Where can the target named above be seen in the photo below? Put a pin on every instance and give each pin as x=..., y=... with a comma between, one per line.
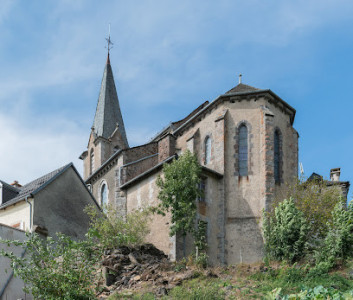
x=29, y=151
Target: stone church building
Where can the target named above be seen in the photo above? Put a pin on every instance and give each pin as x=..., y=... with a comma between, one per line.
x=245, y=142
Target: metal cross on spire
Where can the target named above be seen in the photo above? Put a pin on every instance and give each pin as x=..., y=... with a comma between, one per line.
x=109, y=42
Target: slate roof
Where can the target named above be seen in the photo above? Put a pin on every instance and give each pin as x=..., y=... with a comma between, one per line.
x=108, y=114
x=34, y=186
x=8, y=191
x=242, y=88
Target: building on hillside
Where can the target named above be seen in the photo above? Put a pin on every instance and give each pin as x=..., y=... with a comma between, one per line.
x=47, y=205
x=245, y=142
x=334, y=181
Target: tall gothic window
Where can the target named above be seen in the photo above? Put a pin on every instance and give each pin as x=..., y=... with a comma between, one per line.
x=91, y=162
x=104, y=195
x=207, y=150
x=277, y=157
x=243, y=150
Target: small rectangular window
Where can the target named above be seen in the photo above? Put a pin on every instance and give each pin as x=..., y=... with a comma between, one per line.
x=202, y=187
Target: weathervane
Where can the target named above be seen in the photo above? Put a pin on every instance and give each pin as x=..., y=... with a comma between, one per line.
x=109, y=43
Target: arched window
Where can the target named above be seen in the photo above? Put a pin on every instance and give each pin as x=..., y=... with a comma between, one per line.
x=104, y=195
x=91, y=162
x=208, y=145
x=243, y=150
x=277, y=157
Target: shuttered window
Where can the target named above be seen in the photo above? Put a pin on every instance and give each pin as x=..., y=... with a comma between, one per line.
x=277, y=157
x=243, y=151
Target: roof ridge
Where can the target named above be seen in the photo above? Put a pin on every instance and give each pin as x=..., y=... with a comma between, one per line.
x=242, y=88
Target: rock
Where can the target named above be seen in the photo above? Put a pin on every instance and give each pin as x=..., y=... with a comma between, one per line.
x=133, y=259
x=136, y=278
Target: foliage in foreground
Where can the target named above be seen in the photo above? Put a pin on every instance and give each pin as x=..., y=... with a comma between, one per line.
x=112, y=231
x=318, y=292
x=56, y=269
x=285, y=232
x=338, y=243
x=178, y=192
x=315, y=200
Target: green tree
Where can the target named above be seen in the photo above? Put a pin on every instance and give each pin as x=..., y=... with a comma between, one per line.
x=56, y=269
x=285, y=232
x=179, y=189
x=316, y=200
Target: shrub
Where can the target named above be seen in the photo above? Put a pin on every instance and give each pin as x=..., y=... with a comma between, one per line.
x=285, y=232
x=338, y=243
x=112, y=231
x=56, y=269
x=316, y=200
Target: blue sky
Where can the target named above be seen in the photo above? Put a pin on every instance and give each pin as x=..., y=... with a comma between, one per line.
x=168, y=57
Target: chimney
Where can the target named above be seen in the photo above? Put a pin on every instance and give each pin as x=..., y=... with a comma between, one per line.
x=335, y=174
x=16, y=184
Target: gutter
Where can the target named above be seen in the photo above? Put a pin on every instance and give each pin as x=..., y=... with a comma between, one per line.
x=30, y=214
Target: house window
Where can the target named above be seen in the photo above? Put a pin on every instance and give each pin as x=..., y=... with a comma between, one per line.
x=202, y=187
x=243, y=150
x=104, y=195
x=277, y=157
x=91, y=162
x=207, y=150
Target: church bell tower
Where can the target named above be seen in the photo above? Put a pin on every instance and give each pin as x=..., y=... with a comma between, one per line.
x=108, y=131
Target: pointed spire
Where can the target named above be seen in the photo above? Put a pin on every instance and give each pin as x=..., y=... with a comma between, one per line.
x=108, y=116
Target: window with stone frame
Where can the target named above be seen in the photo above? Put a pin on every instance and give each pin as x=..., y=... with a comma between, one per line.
x=208, y=146
x=243, y=150
x=104, y=195
x=277, y=156
x=202, y=187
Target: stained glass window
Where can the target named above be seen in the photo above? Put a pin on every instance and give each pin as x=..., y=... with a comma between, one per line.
x=243, y=151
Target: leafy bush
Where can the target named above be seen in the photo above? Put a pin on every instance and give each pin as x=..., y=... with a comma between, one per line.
x=316, y=200
x=338, y=244
x=112, y=231
x=318, y=292
x=56, y=269
x=285, y=232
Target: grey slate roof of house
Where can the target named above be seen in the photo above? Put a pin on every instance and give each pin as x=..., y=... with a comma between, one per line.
x=108, y=114
x=8, y=191
x=34, y=186
x=242, y=88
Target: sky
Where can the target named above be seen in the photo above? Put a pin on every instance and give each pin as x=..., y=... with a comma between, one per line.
x=167, y=58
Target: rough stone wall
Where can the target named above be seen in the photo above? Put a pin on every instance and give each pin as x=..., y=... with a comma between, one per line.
x=110, y=178
x=166, y=147
x=137, y=153
x=244, y=194
x=145, y=194
x=133, y=169
x=211, y=125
